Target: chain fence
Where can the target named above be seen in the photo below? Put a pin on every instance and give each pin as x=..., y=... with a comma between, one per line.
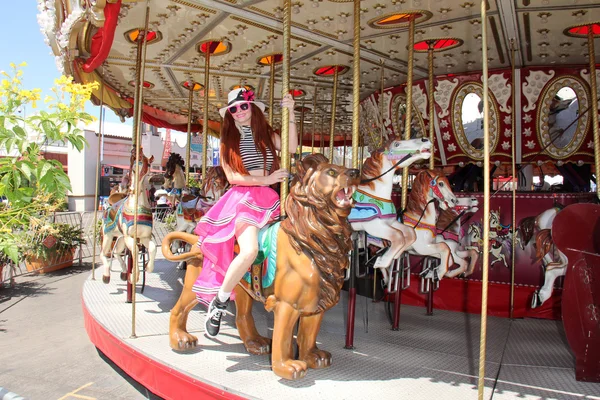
x=164, y=221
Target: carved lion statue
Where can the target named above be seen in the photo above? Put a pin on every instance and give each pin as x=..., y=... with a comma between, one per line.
x=312, y=246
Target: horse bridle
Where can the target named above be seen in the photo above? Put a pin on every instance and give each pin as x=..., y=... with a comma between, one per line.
x=393, y=167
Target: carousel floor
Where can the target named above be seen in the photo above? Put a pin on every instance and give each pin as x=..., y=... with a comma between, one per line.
x=430, y=357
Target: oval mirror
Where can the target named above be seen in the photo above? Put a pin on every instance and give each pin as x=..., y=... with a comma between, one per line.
x=399, y=119
x=561, y=119
x=472, y=119
x=467, y=120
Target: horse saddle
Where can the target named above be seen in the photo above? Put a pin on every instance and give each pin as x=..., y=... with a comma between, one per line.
x=262, y=273
x=116, y=197
x=188, y=208
x=111, y=215
x=367, y=208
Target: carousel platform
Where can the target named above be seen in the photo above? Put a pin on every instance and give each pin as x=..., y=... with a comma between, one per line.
x=430, y=357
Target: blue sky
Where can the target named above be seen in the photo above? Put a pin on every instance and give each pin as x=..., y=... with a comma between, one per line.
x=23, y=41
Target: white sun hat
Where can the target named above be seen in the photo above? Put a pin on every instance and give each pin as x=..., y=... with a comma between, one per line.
x=238, y=96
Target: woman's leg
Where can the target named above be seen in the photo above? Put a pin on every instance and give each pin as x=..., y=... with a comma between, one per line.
x=248, y=242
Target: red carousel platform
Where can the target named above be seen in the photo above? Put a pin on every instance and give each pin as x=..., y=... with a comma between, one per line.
x=429, y=357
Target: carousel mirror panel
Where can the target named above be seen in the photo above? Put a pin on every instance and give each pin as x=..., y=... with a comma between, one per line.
x=399, y=118
x=467, y=119
x=562, y=118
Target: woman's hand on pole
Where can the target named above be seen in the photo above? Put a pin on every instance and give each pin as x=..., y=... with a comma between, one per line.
x=278, y=176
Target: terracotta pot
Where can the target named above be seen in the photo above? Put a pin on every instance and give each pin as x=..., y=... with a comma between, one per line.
x=43, y=265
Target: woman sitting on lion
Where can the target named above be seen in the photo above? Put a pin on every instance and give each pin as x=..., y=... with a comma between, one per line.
x=248, y=145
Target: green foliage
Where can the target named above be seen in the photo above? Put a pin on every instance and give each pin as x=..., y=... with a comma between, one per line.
x=47, y=240
x=31, y=184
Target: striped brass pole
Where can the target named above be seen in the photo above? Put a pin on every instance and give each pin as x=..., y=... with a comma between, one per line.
x=333, y=107
x=205, y=116
x=301, y=133
x=408, y=114
x=314, y=120
x=486, y=202
x=96, y=199
x=188, y=150
x=321, y=136
x=138, y=135
x=356, y=87
x=271, y=89
x=594, y=87
x=344, y=155
x=514, y=173
x=431, y=102
x=381, y=102
x=285, y=113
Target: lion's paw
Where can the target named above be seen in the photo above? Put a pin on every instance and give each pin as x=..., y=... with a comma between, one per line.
x=181, y=340
x=290, y=369
x=318, y=359
x=258, y=345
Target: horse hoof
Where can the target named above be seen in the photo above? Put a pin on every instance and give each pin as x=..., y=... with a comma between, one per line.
x=123, y=276
x=106, y=279
x=536, y=301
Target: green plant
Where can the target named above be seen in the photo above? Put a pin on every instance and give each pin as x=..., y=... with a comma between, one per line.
x=33, y=186
x=47, y=240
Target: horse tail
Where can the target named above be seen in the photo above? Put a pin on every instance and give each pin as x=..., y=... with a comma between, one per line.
x=526, y=228
x=543, y=244
x=183, y=236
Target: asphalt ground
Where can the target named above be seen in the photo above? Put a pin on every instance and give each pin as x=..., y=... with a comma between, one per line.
x=45, y=352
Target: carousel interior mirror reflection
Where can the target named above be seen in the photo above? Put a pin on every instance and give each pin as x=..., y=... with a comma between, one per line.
x=472, y=120
x=399, y=119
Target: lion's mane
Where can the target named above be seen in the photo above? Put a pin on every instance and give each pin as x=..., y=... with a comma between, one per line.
x=317, y=231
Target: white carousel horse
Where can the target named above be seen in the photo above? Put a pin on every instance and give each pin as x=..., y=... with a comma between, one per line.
x=175, y=177
x=449, y=231
x=554, y=261
x=421, y=215
x=374, y=211
x=118, y=221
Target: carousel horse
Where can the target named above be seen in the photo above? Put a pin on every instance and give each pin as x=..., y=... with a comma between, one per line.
x=303, y=279
x=175, y=177
x=554, y=261
x=374, y=211
x=193, y=207
x=449, y=232
x=421, y=215
x=500, y=246
x=118, y=221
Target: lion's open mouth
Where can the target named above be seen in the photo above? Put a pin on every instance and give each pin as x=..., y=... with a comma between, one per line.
x=344, y=196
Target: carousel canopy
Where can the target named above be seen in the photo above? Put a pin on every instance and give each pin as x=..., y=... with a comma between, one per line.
x=97, y=39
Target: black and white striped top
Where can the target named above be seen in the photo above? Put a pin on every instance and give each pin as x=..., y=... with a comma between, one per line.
x=251, y=156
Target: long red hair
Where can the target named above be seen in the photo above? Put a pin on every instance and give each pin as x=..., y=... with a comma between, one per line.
x=230, y=140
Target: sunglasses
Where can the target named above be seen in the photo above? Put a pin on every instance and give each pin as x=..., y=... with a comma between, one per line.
x=243, y=107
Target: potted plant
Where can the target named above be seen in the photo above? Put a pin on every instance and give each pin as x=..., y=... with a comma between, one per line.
x=50, y=246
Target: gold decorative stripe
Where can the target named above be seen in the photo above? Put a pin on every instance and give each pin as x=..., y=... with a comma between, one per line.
x=196, y=6
x=273, y=30
x=497, y=39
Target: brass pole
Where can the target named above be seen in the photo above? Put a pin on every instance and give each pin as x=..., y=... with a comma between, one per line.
x=188, y=151
x=356, y=87
x=431, y=102
x=486, y=202
x=321, y=137
x=381, y=100
x=271, y=89
x=285, y=113
x=514, y=173
x=594, y=88
x=96, y=199
x=333, y=107
x=205, y=116
x=314, y=120
x=137, y=134
x=408, y=115
x=301, y=133
x=344, y=156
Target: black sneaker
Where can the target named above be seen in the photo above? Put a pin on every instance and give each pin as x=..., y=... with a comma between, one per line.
x=216, y=309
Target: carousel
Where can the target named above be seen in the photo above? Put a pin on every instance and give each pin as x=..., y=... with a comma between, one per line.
x=448, y=264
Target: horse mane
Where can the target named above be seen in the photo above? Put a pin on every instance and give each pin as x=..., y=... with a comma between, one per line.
x=372, y=168
x=315, y=229
x=417, y=199
x=214, y=174
x=543, y=244
x=445, y=217
x=526, y=228
x=174, y=160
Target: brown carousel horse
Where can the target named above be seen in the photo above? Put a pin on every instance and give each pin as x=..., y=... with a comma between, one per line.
x=311, y=245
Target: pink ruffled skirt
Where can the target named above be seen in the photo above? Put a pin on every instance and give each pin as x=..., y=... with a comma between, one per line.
x=217, y=230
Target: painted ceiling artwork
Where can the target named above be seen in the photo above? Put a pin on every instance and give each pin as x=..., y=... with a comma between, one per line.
x=97, y=40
